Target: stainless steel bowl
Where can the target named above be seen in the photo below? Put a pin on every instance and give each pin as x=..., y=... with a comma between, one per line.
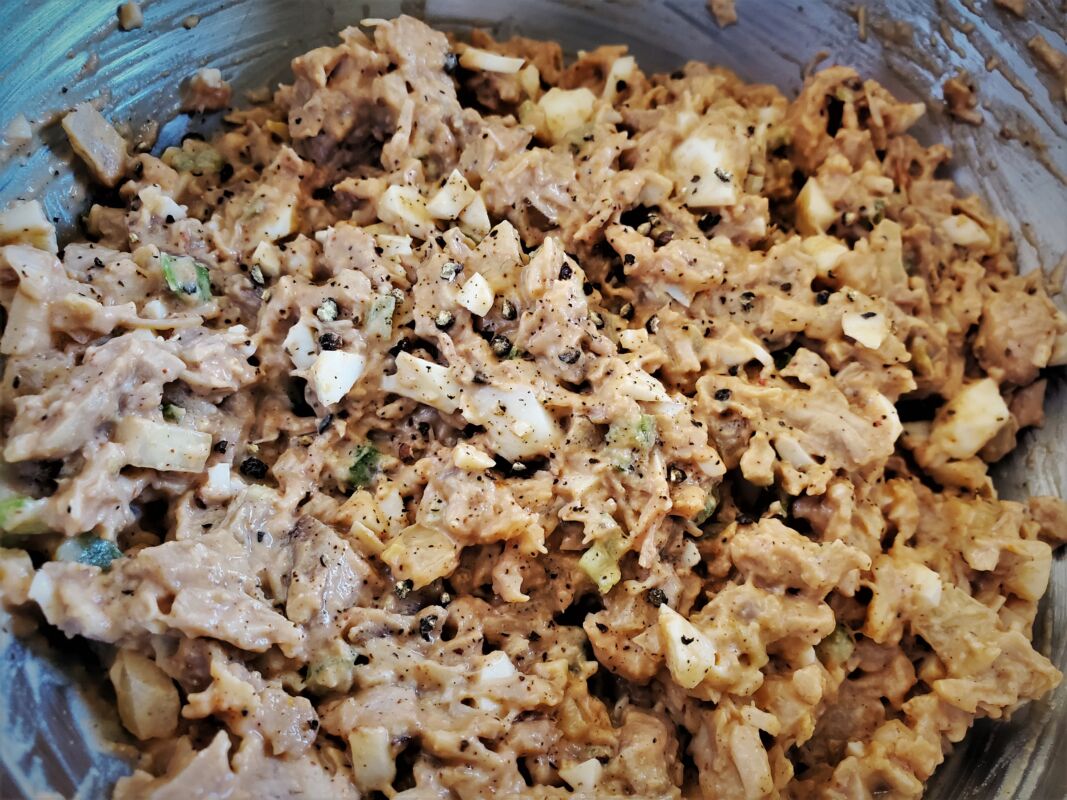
x=50, y=724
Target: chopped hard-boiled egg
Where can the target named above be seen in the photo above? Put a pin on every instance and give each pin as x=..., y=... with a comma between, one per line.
x=300, y=345
x=622, y=69
x=633, y=338
x=404, y=208
x=964, y=231
x=421, y=554
x=486, y=61
x=474, y=221
x=583, y=777
x=706, y=171
x=868, y=328
x=334, y=373
x=815, y=213
x=477, y=295
x=268, y=258
x=566, y=109
x=454, y=196
x=373, y=764
x=158, y=204
x=518, y=425
x=424, y=381
x=470, y=458
x=690, y=654
x=26, y=223
x=966, y=423
x=157, y=445
x=825, y=250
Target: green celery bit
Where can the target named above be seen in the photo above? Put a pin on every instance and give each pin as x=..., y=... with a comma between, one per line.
x=601, y=563
x=186, y=277
x=364, y=466
x=173, y=412
x=89, y=549
x=837, y=647
x=710, y=504
x=20, y=515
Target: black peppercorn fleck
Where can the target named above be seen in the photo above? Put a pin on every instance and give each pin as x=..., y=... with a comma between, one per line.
x=656, y=596
x=252, y=467
x=330, y=341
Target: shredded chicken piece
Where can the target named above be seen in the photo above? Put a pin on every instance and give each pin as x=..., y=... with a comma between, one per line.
x=462, y=422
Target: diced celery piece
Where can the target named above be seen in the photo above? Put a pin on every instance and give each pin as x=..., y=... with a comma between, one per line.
x=601, y=563
x=88, y=549
x=186, y=277
x=364, y=465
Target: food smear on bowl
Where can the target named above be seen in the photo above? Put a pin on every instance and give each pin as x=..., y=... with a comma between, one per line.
x=460, y=420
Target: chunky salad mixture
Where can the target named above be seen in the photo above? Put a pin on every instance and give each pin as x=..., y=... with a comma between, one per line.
x=462, y=423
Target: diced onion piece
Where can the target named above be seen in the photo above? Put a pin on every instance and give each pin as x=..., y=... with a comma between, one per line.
x=966, y=423
x=474, y=221
x=964, y=231
x=689, y=653
x=156, y=445
x=470, y=458
x=869, y=328
x=373, y=765
x=97, y=143
x=815, y=214
x=825, y=250
x=424, y=381
x=566, y=109
x=334, y=373
x=421, y=555
x=707, y=159
x=26, y=223
x=148, y=701
x=477, y=295
x=404, y=208
x=451, y=198
x=500, y=410
x=476, y=58
x=300, y=345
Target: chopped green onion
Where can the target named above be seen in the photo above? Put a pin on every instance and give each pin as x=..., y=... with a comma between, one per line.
x=364, y=466
x=186, y=277
x=89, y=549
x=837, y=647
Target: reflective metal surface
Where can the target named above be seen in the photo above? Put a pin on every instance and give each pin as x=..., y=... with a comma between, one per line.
x=1017, y=160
